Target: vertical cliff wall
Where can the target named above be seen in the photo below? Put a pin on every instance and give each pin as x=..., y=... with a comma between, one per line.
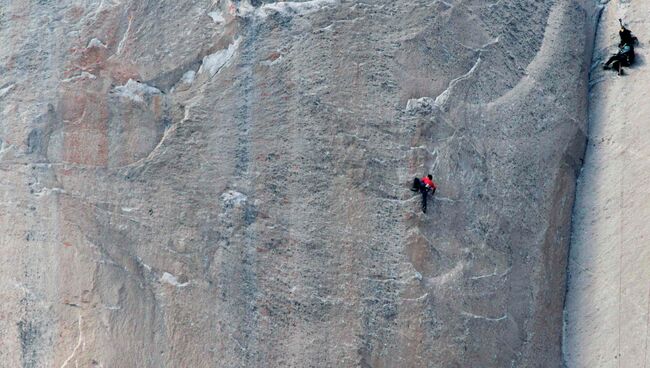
x=216, y=183
x=608, y=300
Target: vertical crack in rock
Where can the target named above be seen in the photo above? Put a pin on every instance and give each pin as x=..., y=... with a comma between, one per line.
x=607, y=310
x=247, y=335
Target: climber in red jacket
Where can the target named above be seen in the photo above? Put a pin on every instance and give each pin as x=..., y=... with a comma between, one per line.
x=424, y=186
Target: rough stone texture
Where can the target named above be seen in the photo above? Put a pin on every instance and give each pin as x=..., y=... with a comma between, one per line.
x=608, y=303
x=206, y=183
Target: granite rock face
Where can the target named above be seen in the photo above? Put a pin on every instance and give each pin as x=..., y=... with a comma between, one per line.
x=211, y=183
x=608, y=301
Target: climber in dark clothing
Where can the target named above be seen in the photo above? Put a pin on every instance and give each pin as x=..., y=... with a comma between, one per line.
x=424, y=186
x=624, y=57
x=625, y=54
x=626, y=36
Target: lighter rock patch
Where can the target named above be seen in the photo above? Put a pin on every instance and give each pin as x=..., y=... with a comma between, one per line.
x=95, y=43
x=295, y=7
x=216, y=17
x=213, y=63
x=135, y=91
x=172, y=280
x=233, y=198
x=244, y=8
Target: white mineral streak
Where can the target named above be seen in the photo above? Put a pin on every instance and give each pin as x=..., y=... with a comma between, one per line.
x=82, y=75
x=5, y=91
x=442, y=98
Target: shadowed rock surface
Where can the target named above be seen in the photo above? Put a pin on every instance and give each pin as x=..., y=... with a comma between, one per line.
x=216, y=183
